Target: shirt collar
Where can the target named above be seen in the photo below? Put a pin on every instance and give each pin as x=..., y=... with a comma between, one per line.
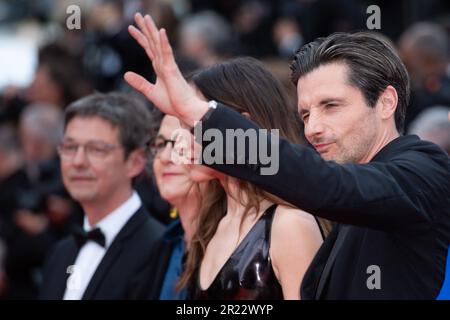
x=397, y=145
x=112, y=223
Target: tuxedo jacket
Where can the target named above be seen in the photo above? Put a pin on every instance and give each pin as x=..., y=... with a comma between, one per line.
x=392, y=214
x=122, y=269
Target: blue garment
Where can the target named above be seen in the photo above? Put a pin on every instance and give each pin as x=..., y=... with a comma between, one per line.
x=445, y=290
x=174, y=234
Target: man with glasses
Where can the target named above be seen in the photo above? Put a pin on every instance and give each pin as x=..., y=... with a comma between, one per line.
x=102, y=152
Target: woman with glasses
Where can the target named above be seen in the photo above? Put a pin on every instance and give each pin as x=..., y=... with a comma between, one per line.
x=175, y=186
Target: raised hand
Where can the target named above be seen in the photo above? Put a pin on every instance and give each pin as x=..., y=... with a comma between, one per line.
x=170, y=93
x=157, y=93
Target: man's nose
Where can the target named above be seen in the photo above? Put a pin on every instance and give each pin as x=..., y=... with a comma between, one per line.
x=80, y=157
x=314, y=126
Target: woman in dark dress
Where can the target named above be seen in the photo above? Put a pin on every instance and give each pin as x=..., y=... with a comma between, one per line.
x=249, y=244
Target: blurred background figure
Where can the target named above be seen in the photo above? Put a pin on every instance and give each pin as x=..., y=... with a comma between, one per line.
x=12, y=179
x=58, y=79
x=433, y=125
x=287, y=36
x=13, y=182
x=205, y=37
x=40, y=131
x=36, y=208
x=425, y=50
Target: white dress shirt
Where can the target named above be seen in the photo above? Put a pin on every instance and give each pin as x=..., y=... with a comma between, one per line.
x=91, y=254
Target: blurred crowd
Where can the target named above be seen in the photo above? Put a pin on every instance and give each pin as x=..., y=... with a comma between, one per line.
x=36, y=210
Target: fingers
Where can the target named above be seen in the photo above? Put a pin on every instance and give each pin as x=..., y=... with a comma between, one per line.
x=166, y=50
x=143, y=29
x=148, y=37
x=139, y=83
x=154, y=34
x=142, y=40
x=154, y=41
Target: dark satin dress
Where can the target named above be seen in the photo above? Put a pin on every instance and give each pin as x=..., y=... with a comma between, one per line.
x=248, y=273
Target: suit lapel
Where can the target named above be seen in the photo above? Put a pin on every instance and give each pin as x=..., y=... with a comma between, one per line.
x=315, y=269
x=112, y=253
x=102, y=270
x=323, y=280
x=64, y=271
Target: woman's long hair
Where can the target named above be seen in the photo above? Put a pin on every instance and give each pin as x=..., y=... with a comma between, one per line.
x=246, y=86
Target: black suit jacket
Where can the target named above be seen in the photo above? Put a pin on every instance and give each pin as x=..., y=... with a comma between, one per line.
x=156, y=272
x=393, y=213
x=120, y=272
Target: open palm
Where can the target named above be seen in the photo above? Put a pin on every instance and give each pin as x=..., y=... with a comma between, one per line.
x=170, y=93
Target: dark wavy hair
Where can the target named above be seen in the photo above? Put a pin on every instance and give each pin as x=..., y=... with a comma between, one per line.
x=245, y=85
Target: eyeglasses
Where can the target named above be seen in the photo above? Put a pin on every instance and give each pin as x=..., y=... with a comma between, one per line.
x=159, y=144
x=94, y=150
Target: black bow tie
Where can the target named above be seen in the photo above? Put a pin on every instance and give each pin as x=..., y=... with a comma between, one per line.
x=81, y=236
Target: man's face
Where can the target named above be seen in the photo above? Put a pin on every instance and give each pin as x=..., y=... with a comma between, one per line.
x=44, y=89
x=98, y=171
x=338, y=122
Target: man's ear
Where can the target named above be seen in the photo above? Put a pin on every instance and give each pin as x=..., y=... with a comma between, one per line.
x=388, y=101
x=136, y=162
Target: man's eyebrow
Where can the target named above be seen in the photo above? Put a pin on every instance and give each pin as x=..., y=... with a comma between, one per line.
x=329, y=100
x=69, y=139
x=325, y=101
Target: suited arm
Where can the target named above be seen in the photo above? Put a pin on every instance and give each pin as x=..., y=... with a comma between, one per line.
x=360, y=194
